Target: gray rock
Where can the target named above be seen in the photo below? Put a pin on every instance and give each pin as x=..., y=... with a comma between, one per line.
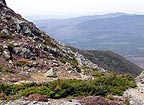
x=6, y=53
x=5, y=31
x=5, y=46
x=17, y=50
x=70, y=103
x=25, y=29
x=25, y=53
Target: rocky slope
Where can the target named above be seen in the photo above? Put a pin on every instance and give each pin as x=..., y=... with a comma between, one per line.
x=136, y=95
x=29, y=54
x=91, y=100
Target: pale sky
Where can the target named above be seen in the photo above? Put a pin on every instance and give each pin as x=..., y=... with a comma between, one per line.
x=71, y=7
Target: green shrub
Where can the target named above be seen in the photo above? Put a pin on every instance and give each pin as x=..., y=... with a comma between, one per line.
x=43, y=90
x=6, y=89
x=103, y=85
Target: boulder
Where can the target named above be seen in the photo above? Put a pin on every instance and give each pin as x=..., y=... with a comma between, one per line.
x=37, y=97
x=51, y=73
x=25, y=29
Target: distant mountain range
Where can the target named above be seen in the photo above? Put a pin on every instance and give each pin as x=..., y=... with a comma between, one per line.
x=119, y=32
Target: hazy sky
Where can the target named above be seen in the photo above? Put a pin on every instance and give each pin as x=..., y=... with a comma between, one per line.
x=75, y=7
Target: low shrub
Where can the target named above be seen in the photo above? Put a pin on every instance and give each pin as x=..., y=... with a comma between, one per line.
x=102, y=85
x=43, y=90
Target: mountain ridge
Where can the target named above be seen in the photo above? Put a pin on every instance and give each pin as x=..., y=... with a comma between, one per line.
x=102, y=34
x=110, y=61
